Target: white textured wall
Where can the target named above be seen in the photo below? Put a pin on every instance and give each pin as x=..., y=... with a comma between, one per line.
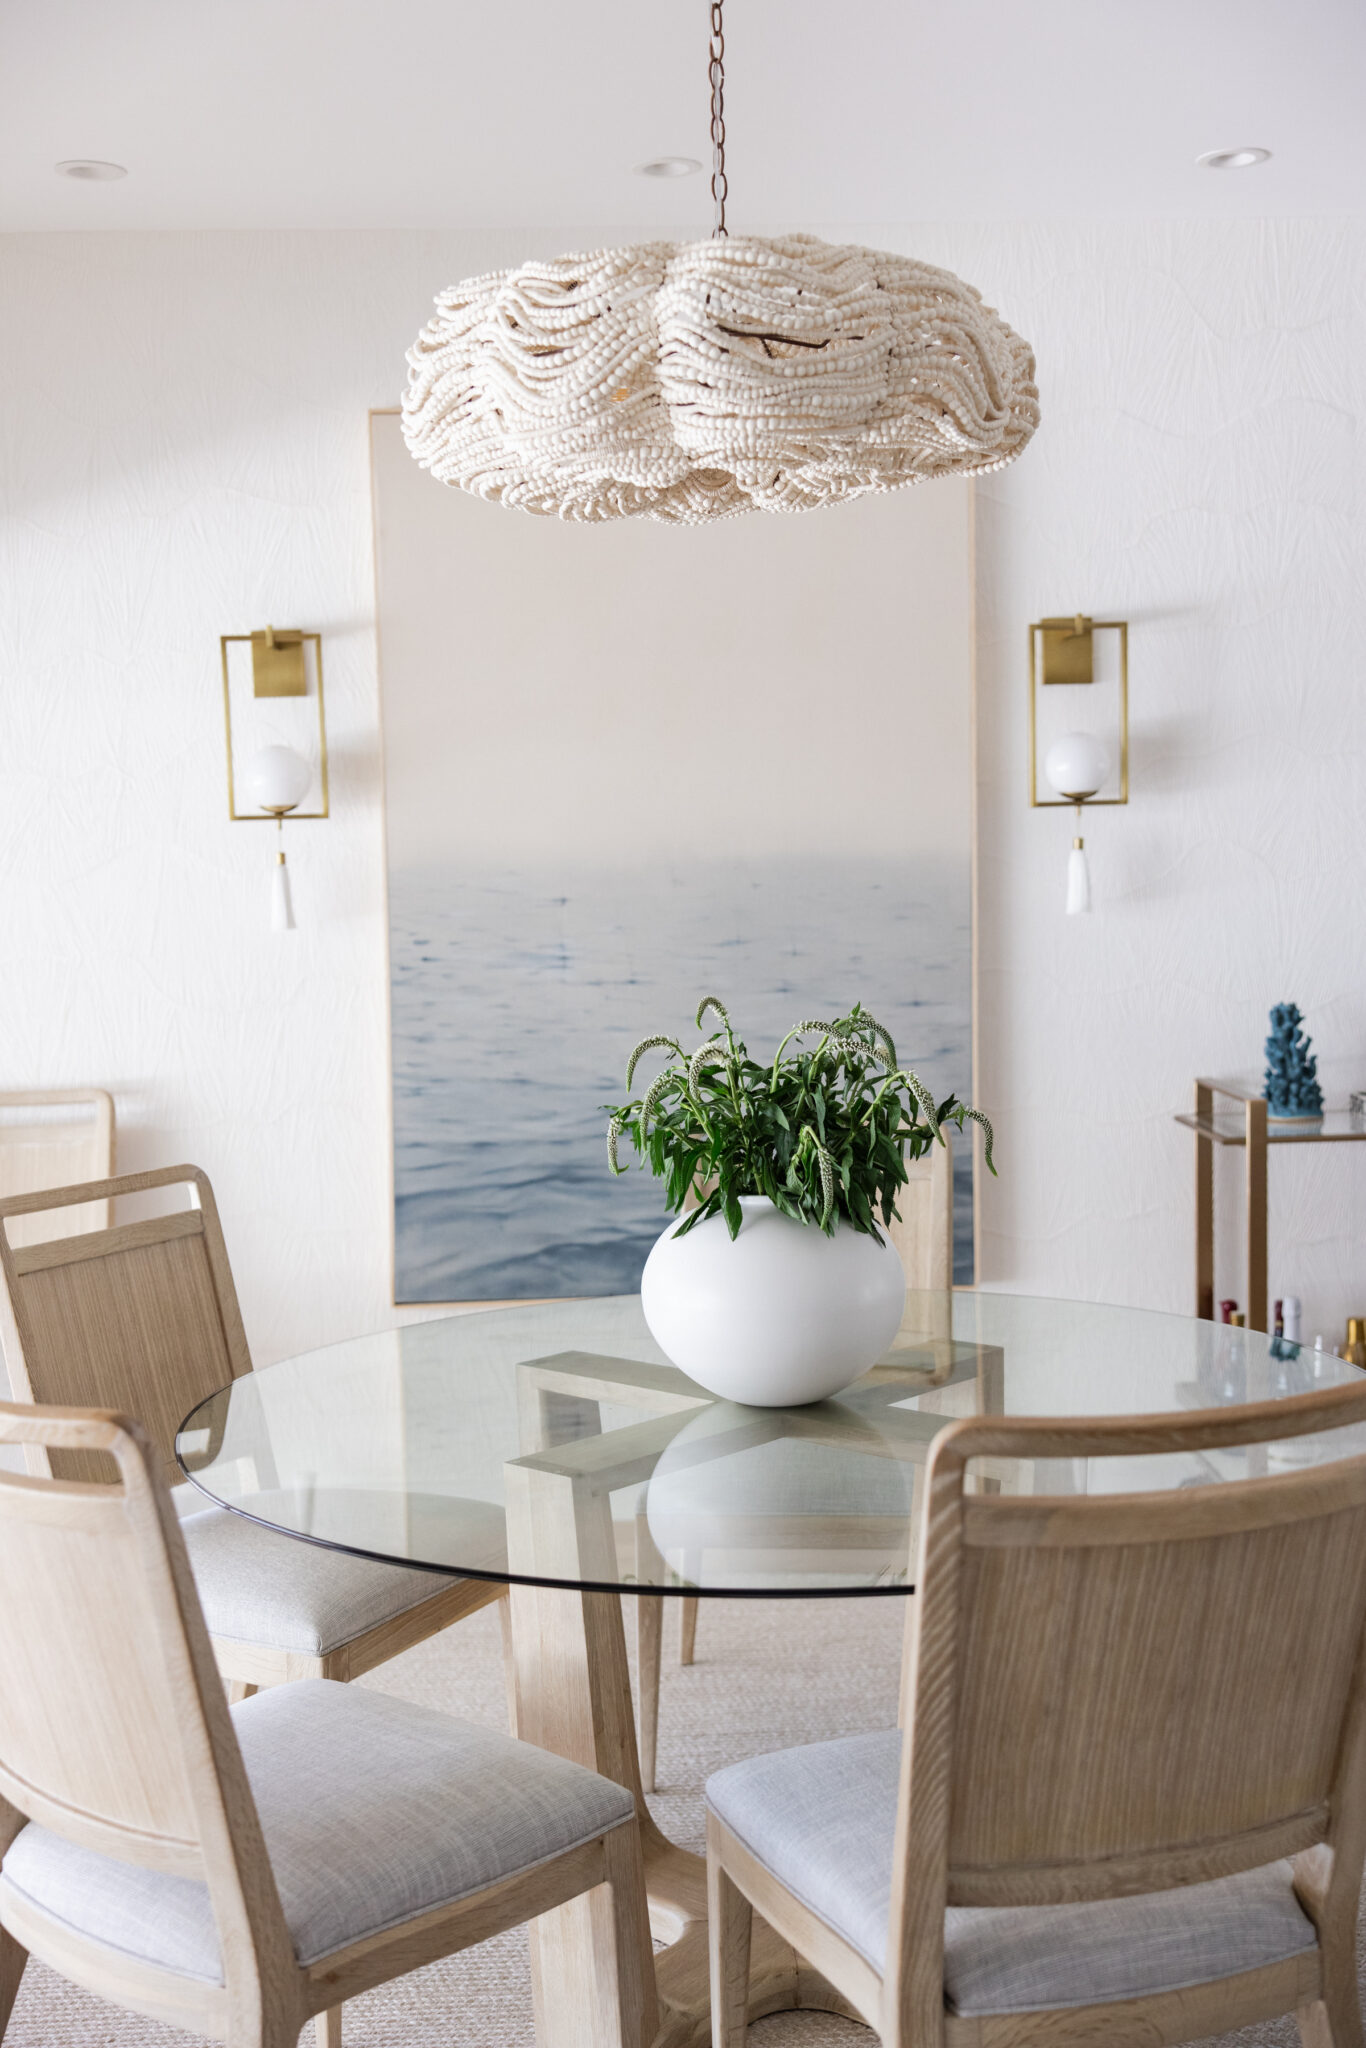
x=1199, y=472
x=183, y=440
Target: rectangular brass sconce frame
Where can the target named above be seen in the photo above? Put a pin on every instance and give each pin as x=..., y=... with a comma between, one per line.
x=278, y=670
x=1060, y=652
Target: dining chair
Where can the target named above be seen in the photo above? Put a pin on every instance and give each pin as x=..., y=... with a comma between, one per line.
x=50, y=1137
x=1129, y=1804
x=239, y=1871
x=143, y=1317
x=922, y=1232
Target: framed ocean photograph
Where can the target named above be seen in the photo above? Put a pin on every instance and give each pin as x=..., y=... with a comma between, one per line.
x=628, y=766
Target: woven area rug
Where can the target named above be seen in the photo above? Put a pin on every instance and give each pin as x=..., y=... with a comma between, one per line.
x=767, y=1674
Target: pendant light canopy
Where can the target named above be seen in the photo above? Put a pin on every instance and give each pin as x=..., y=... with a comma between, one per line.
x=695, y=380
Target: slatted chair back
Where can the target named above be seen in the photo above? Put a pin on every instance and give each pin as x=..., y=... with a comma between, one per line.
x=114, y=1729
x=50, y=1138
x=142, y=1317
x=1119, y=1694
x=922, y=1231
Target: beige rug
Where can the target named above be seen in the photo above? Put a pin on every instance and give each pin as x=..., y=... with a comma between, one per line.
x=768, y=1674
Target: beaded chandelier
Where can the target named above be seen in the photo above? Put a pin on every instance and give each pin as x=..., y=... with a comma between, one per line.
x=694, y=380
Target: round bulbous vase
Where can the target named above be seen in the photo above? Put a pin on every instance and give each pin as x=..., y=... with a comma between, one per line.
x=778, y=1316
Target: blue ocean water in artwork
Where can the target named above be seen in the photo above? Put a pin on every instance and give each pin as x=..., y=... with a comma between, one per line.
x=516, y=999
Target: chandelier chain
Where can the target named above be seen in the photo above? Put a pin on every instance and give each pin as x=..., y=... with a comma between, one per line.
x=716, y=78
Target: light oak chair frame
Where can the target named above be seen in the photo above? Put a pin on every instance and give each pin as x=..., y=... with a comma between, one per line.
x=923, y=1235
x=143, y=1317
x=1265, y=1680
x=115, y=1733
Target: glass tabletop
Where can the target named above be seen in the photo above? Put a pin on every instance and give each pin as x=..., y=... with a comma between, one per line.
x=553, y=1444
x=1227, y=1127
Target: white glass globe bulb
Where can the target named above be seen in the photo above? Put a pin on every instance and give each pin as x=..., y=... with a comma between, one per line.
x=1077, y=764
x=277, y=778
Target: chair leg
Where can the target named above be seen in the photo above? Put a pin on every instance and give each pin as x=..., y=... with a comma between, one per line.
x=649, y=1638
x=12, y=1960
x=687, y=1627
x=328, y=2027
x=275, y=2025
x=238, y=1689
x=1333, y=2021
x=633, y=1953
x=730, y=1919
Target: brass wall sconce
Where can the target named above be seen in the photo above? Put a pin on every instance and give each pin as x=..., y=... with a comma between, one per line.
x=1077, y=764
x=276, y=778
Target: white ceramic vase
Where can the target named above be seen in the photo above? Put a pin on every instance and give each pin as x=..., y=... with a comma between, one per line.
x=779, y=1316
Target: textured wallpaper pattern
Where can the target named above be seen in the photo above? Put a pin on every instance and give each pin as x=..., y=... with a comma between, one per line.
x=183, y=444
x=1199, y=473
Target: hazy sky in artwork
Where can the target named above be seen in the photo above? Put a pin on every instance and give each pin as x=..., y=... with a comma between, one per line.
x=634, y=691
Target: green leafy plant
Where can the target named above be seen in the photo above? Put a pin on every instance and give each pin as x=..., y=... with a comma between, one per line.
x=824, y=1130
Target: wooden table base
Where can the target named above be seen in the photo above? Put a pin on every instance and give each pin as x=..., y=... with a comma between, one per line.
x=779, y=1980
x=571, y=1687
x=573, y=1696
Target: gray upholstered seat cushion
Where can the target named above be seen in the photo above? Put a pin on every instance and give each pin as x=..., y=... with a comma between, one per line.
x=373, y=1811
x=822, y=1819
x=258, y=1586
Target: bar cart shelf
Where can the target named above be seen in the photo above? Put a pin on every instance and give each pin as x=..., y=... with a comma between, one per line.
x=1248, y=1126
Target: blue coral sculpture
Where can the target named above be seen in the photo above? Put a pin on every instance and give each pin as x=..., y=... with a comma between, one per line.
x=1292, y=1092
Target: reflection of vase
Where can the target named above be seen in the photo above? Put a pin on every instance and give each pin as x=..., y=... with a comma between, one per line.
x=735, y=1499
x=780, y=1316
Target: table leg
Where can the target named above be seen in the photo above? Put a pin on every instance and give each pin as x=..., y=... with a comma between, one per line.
x=573, y=1696
x=1204, y=1207
x=1255, y=1132
x=648, y=1611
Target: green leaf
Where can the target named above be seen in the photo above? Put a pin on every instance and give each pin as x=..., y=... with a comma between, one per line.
x=824, y=1132
x=645, y=1046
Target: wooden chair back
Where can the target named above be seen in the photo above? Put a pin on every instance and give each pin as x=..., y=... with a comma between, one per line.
x=923, y=1229
x=50, y=1138
x=1113, y=1694
x=114, y=1730
x=142, y=1317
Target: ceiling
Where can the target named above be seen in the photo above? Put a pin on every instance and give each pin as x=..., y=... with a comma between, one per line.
x=410, y=113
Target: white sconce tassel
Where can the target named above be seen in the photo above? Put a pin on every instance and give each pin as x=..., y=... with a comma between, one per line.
x=1078, y=879
x=281, y=899
x=1077, y=766
x=277, y=779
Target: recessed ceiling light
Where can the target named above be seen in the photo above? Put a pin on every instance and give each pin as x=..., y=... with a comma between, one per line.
x=90, y=169
x=1232, y=159
x=668, y=167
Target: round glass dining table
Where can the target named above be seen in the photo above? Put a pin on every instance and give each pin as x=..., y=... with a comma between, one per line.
x=554, y=1448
